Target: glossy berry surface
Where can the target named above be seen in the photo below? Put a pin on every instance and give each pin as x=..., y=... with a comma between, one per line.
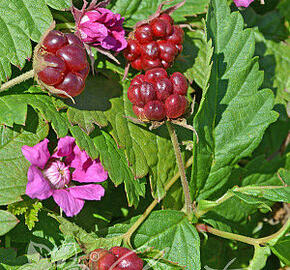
x=117, y=258
x=127, y=259
x=154, y=44
x=156, y=96
x=62, y=63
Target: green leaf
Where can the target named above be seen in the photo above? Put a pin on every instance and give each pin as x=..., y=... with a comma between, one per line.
x=29, y=208
x=88, y=241
x=13, y=109
x=168, y=231
x=7, y=222
x=59, y=4
x=260, y=257
x=137, y=10
x=281, y=249
x=233, y=114
x=114, y=161
x=13, y=165
x=20, y=21
x=9, y=259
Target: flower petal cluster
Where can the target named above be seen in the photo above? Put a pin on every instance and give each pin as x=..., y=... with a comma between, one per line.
x=243, y=3
x=102, y=27
x=52, y=175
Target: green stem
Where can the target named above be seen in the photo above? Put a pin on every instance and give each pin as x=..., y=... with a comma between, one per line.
x=17, y=80
x=241, y=238
x=174, y=139
x=135, y=226
x=7, y=241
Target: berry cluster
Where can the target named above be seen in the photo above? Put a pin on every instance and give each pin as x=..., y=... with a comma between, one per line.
x=155, y=96
x=117, y=258
x=154, y=44
x=62, y=63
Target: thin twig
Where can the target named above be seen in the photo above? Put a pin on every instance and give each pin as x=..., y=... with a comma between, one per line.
x=17, y=80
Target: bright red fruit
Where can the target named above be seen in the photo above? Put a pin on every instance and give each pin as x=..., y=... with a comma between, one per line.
x=101, y=259
x=127, y=259
x=175, y=106
x=156, y=44
x=155, y=96
x=61, y=62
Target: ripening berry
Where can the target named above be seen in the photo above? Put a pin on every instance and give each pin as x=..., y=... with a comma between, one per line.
x=154, y=44
x=175, y=106
x=60, y=63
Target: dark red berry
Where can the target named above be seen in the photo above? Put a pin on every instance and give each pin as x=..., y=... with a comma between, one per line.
x=159, y=27
x=141, y=94
x=54, y=41
x=139, y=112
x=150, y=50
x=149, y=64
x=61, y=62
x=54, y=69
x=163, y=88
x=101, y=259
x=166, y=17
x=175, y=106
x=167, y=50
x=72, y=84
x=74, y=40
x=137, y=64
x=74, y=57
x=138, y=80
x=155, y=74
x=144, y=34
x=133, y=50
x=127, y=259
x=179, y=83
x=177, y=36
x=165, y=64
x=155, y=110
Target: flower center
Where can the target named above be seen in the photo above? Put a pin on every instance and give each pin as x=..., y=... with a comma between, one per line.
x=57, y=173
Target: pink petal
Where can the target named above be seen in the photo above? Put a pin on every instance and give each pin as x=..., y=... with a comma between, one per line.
x=37, y=186
x=243, y=3
x=87, y=192
x=37, y=155
x=64, y=147
x=69, y=204
x=91, y=171
x=77, y=158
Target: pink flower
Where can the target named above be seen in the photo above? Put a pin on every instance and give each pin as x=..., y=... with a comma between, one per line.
x=243, y=3
x=102, y=27
x=51, y=175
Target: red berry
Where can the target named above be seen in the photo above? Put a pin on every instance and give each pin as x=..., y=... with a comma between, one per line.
x=74, y=40
x=138, y=80
x=54, y=41
x=144, y=33
x=61, y=62
x=159, y=27
x=127, y=259
x=139, y=112
x=133, y=50
x=163, y=88
x=179, y=83
x=101, y=259
x=141, y=94
x=71, y=84
x=167, y=50
x=155, y=74
x=175, y=106
x=137, y=64
x=149, y=64
x=155, y=110
x=165, y=64
x=74, y=57
x=177, y=36
x=150, y=50
x=54, y=71
x=166, y=17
